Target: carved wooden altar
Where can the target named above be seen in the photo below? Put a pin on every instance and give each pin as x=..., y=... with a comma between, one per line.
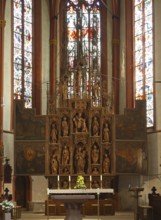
x=80, y=143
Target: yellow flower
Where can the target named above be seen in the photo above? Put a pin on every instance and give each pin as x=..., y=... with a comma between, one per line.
x=80, y=183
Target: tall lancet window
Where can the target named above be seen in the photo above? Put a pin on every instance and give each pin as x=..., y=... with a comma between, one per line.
x=143, y=55
x=22, y=52
x=80, y=74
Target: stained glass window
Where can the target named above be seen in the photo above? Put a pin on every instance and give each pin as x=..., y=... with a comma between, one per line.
x=82, y=57
x=22, y=53
x=143, y=55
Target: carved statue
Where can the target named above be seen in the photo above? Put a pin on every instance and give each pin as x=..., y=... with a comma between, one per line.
x=64, y=126
x=54, y=133
x=95, y=184
x=65, y=156
x=95, y=154
x=65, y=184
x=79, y=136
x=7, y=172
x=80, y=159
x=96, y=90
x=95, y=170
x=65, y=170
x=80, y=123
x=95, y=127
x=54, y=164
x=106, y=133
x=106, y=163
x=109, y=102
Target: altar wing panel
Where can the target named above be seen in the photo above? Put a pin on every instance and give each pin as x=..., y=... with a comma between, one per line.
x=131, y=154
x=29, y=158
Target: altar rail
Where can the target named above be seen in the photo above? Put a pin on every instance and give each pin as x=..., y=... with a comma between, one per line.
x=106, y=207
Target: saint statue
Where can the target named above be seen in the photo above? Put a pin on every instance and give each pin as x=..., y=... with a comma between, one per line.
x=65, y=184
x=64, y=126
x=106, y=133
x=106, y=163
x=65, y=156
x=80, y=160
x=95, y=170
x=80, y=123
x=54, y=133
x=54, y=164
x=7, y=172
x=96, y=90
x=95, y=154
x=95, y=127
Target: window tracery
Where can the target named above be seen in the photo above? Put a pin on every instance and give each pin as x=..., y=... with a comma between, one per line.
x=22, y=52
x=81, y=72
x=143, y=55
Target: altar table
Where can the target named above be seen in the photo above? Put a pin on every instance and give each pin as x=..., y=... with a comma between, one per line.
x=74, y=198
x=73, y=204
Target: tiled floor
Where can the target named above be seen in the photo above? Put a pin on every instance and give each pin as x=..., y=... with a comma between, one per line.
x=118, y=216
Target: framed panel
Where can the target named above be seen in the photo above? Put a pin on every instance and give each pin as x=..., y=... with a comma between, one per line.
x=29, y=158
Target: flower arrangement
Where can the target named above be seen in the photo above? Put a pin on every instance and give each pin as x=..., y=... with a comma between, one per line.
x=80, y=183
x=7, y=205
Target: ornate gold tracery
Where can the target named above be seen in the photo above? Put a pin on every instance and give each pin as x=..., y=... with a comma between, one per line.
x=81, y=64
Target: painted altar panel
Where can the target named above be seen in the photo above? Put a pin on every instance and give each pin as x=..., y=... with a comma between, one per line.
x=132, y=125
x=131, y=140
x=131, y=157
x=28, y=125
x=30, y=158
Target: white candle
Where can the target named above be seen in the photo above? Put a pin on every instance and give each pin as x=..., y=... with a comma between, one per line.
x=69, y=178
x=58, y=178
x=101, y=177
x=90, y=178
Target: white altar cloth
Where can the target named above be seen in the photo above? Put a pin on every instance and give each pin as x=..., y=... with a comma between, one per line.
x=79, y=191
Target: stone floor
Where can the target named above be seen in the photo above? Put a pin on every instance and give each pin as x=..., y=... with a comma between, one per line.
x=25, y=215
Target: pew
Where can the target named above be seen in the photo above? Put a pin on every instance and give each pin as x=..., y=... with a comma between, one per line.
x=155, y=202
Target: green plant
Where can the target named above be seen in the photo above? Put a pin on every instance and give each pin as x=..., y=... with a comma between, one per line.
x=80, y=183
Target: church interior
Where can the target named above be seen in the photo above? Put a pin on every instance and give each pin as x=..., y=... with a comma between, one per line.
x=80, y=118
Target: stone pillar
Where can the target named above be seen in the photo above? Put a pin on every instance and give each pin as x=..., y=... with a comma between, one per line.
x=2, y=26
x=116, y=52
x=53, y=48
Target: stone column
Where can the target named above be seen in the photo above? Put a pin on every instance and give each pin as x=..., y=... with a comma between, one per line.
x=2, y=26
x=116, y=52
x=53, y=48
